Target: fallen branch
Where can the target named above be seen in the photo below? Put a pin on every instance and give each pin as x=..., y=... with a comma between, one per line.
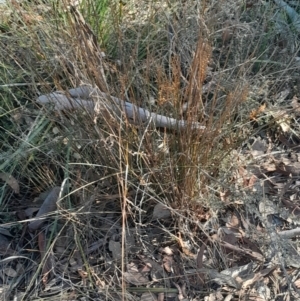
x=90, y=99
x=288, y=234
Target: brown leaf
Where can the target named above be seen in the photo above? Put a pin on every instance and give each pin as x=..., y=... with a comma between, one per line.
x=183, y=246
x=181, y=292
x=167, y=250
x=148, y=297
x=254, y=113
x=287, y=169
x=252, y=181
x=83, y=274
x=168, y=262
x=146, y=268
x=136, y=278
x=297, y=283
x=157, y=271
x=133, y=275
x=11, y=181
x=160, y=297
x=257, y=276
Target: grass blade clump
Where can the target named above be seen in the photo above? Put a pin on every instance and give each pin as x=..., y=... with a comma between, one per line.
x=203, y=63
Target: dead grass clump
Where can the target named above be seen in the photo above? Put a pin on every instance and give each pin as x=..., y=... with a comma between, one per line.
x=134, y=207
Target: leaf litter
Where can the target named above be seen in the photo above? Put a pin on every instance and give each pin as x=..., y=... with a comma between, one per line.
x=241, y=239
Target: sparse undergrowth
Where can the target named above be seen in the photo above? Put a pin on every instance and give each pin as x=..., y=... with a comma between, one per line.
x=136, y=212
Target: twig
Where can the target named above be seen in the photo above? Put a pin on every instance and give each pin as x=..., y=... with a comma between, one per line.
x=289, y=233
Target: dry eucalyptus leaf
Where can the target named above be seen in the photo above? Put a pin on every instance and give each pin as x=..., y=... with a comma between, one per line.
x=48, y=206
x=132, y=267
x=297, y=283
x=243, y=272
x=72, y=262
x=168, y=251
x=168, y=263
x=215, y=296
x=116, y=249
x=131, y=245
x=161, y=297
x=148, y=297
x=135, y=278
x=11, y=181
x=157, y=272
x=10, y=272
x=161, y=211
x=267, y=207
x=292, y=168
x=20, y=269
x=258, y=148
x=222, y=278
x=76, y=155
x=282, y=118
x=133, y=275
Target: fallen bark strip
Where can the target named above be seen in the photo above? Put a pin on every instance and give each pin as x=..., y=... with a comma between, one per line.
x=87, y=97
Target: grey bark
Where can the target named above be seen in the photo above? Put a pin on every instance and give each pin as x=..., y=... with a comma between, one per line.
x=87, y=97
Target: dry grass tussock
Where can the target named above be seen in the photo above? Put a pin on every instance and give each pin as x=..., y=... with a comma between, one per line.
x=132, y=211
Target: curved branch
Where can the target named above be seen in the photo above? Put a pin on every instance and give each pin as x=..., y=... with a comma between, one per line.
x=86, y=97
